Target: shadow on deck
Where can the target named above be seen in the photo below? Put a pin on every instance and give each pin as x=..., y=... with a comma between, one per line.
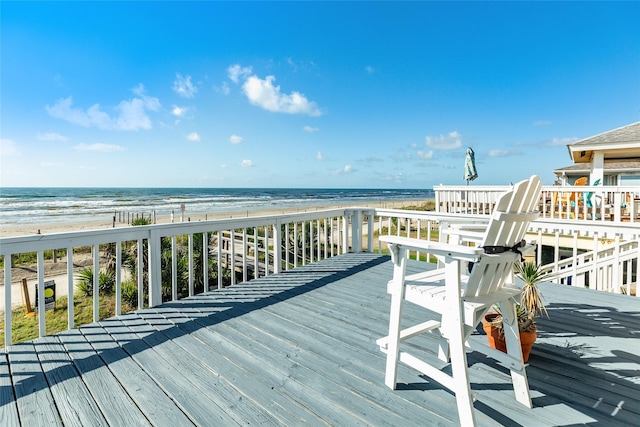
x=298, y=348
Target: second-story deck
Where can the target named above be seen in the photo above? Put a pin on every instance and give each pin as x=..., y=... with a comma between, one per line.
x=298, y=348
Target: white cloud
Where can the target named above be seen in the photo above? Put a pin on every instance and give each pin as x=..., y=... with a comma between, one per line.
x=235, y=139
x=8, y=148
x=104, y=148
x=51, y=136
x=444, y=142
x=224, y=89
x=235, y=72
x=345, y=170
x=183, y=86
x=369, y=69
x=132, y=115
x=264, y=94
x=504, y=153
x=320, y=157
x=539, y=123
x=246, y=163
x=178, y=111
x=310, y=129
x=193, y=136
x=563, y=141
x=428, y=155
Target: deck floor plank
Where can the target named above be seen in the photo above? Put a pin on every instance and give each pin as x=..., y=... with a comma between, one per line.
x=192, y=368
x=76, y=405
x=8, y=409
x=298, y=348
x=146, y=393
x=113, y=400
x=249, y=382
x=34, y=400
x=170, y=373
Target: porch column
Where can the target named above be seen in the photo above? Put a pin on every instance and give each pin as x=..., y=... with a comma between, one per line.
x=597, y=168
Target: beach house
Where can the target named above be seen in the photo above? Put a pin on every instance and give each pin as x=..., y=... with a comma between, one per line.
x=613, y=157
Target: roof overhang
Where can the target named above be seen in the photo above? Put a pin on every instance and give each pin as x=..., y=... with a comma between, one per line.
x=620, y=143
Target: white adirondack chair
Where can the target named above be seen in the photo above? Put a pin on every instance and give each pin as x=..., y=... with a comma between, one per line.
x=463, y=298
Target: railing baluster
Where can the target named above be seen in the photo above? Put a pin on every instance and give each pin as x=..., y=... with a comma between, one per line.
x=174, y=267
x=7, y=300
x=219, y=258
x=70, y=304
x=244, y=254
x=232, y=248
x=205, y=261
x=96, y=282
x=118, y=282
x=191, y=281
x=256, y=254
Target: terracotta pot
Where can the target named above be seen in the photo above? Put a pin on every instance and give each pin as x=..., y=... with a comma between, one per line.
x=497, y=341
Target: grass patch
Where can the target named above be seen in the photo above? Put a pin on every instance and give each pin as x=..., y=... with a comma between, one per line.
x=26, y=328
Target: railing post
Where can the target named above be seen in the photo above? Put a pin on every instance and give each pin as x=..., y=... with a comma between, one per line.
x=356, y=231
x=277, y=246
x=155, y=269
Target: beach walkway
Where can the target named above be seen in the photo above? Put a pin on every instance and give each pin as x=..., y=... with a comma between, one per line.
x=298, y=348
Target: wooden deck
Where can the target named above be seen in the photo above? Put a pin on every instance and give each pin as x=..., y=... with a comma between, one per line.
x=298, y=348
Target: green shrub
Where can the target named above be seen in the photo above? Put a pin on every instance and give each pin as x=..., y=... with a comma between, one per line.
x=141, y=221
x=106, y=282
x=129, y=293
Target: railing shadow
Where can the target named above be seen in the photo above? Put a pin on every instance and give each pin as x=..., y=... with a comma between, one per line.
x=585, y=360
x=117, y=338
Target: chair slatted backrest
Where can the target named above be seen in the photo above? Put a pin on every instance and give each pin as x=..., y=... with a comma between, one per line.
x=509, y=222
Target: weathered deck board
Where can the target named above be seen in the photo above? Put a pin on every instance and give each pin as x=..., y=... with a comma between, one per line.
x=75, y=404
x=298, y=348
x=144, y=391
x=115, y=403
x=8, y=410
x=33, y=397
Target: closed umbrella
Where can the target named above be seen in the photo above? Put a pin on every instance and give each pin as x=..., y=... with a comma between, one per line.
x=470, y=172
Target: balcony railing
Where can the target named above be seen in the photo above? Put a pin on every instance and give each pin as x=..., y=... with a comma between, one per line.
x=583, y=203
x=223, y=252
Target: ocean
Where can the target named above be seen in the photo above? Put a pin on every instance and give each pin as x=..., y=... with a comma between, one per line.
x=47, y=205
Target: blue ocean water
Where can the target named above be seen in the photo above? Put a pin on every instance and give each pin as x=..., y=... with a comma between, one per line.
x=44, y=205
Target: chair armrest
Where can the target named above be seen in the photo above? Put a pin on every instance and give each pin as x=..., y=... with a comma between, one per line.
x=467, y=253
x=467, y=234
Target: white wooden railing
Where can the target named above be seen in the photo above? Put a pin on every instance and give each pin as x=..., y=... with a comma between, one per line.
x=248, y=248
x=258, y=246
x=582, y=203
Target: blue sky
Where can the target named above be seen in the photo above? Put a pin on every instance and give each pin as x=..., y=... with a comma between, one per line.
x=308, y=94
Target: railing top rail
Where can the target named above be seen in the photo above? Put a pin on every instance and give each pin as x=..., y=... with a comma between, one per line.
x=36, y=242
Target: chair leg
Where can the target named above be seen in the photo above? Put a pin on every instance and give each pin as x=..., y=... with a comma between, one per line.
x=512, y=338
x=393, y=345
x=460, y=374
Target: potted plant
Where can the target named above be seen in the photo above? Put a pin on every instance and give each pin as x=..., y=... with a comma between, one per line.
x=531, y=306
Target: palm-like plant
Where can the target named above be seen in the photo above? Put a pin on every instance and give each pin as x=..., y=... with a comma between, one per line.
x=531, y=302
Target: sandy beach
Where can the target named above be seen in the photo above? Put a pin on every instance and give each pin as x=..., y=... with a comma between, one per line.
x=57, y=271
x=13, y=230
